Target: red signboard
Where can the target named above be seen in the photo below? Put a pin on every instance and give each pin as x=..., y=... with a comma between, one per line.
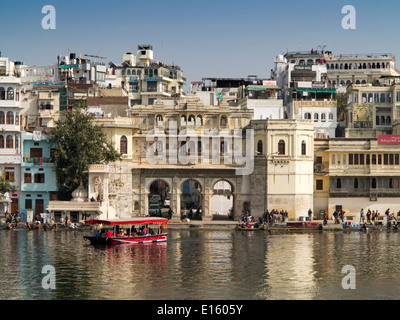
x=389, y=139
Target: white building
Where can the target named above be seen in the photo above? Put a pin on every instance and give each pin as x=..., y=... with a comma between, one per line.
x=10, y=134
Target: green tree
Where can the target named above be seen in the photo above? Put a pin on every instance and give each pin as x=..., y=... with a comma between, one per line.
x=341, y=106
x=78, y=143
x=5, y=186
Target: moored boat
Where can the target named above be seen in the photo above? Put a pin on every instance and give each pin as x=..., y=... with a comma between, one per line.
x=135, y=230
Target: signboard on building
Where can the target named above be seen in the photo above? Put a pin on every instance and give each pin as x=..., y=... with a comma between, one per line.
x=363, y=116
x=389, y=139
x=298, y=104
x=153, y=79
x=269, y=83
x=318, y=84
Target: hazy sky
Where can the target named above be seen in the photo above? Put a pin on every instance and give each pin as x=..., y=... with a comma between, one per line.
x=219, y=38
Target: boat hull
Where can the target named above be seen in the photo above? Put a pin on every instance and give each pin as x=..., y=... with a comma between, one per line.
x=126, y=240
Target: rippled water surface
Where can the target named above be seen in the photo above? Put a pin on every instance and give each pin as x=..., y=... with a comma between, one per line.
x=216, y=265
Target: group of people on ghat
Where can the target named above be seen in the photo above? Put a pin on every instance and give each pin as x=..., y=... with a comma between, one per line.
x=374, y=215
x=275, y=216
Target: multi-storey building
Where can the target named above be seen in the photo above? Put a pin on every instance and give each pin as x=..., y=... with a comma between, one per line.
x=190, y=153
x=146, y=80
x=38, y=177
x=306, y=92
x=10, y=134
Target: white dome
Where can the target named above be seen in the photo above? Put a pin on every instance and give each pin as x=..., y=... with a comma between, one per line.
x=80, y=194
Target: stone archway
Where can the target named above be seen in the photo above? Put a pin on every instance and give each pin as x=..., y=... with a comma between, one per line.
x=191, y=197
x=158, y=191
x=222, y=200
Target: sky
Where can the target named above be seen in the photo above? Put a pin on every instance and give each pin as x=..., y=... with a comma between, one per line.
x=208, y=38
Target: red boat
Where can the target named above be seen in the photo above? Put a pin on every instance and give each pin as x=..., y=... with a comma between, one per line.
x=135, y=230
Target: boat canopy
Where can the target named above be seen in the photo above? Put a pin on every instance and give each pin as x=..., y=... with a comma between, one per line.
x=139, y=220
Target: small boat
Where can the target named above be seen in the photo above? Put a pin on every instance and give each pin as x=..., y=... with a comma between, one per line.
x=120, y=231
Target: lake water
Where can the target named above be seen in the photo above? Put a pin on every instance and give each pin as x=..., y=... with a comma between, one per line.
x=199, y=265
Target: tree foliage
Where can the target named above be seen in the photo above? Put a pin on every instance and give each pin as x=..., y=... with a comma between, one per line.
x=6, y=186
x=78, y=143
x=341, y=106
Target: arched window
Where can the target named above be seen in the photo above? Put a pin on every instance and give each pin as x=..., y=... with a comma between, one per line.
x=307, y=116
x=9, y=142
x=159, y=120
x=123, y=72
x=199, y=121
x=382, y=120
x=373, y=161
x=281, y=147
x=388, y=120
x=259, y=147
x=16, y=142
x=378, y=65
x=2, y=118
x=315, y=117
x=331, y=116
x=134, y=72
x=10, y=94
x=191, y=120
x=303, y=148
x=123, y=145
x=10, y=117
x=223, y=121
x=128, y=72
x=1, y=141
x=183, y=120
x=2, y=94
x=323, y=117
x=377, y=120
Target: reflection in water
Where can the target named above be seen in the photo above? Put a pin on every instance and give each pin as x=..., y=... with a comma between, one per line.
x=197, y=264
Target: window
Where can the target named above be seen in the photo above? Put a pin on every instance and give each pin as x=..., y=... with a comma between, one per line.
x=151, y=86
x=373, y=183
x=28, y=203
x=362, y=159
x=2, y=94
x=315, y=117
x=10, y=94
x=123, y=145
x=351, y=159
x=2, y=118
x=386, y=159
x=396, y=159
x=379, y=159
x=323, y=117
x=1, y=141
x=9, y=142
x=367, y=160
x=338, y=183
x=319, y=184
x=303, y=148
x=10, y=117
x=159, y=120
x=373, y=159
x=199, y=121
x=391, y=159
x=307, y=116
x=36, y=152
x=27, y=178
x=355, y=183
x=281, y=147
x=223, y=121
x=39, y=178
x=9, y=175
x=331, y=117
x=259, y=147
